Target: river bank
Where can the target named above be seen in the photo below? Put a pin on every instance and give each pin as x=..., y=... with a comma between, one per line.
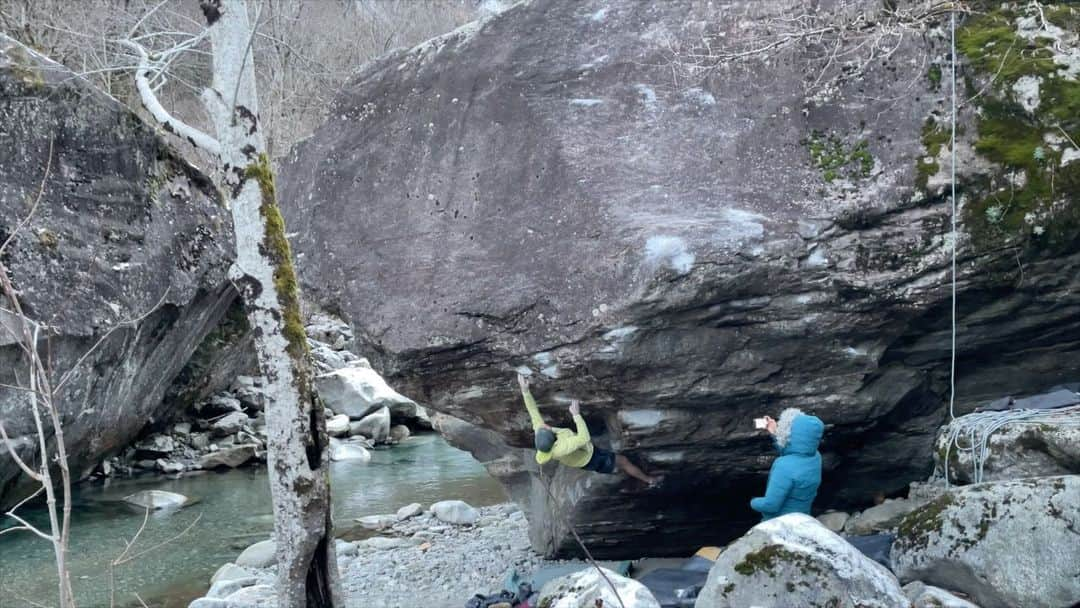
x=233, y=511
x=421, y=560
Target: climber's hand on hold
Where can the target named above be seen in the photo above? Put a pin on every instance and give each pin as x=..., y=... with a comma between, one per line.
x=575, y=408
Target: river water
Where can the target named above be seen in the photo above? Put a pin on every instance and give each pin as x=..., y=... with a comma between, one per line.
x=232, y=512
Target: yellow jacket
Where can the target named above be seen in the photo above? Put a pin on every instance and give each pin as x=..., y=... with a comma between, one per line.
x=573, y=449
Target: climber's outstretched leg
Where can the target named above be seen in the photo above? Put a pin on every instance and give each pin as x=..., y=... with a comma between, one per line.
x=632, y=470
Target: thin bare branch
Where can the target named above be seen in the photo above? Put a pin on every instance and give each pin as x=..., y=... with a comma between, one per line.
x=37, y=200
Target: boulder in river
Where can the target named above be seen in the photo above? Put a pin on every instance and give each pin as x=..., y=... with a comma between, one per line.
x=409, y=511
x=348, y=451
x=338, y=426
x=157, y=499
x=399, y=433
x=684, y=243
x=589, y=588
x=358, y=391
x=375, y=426
x=793, y=560
x=1003, y=543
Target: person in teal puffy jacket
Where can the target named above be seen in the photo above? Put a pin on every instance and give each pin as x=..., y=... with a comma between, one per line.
x=795, y=476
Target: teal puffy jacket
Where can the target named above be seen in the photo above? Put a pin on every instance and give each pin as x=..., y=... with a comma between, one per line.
x=796, y=474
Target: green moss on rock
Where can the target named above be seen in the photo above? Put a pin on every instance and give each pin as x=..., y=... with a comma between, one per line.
x=1031, y=198
x=834, y=158
x=917, y=526
x=767, y=558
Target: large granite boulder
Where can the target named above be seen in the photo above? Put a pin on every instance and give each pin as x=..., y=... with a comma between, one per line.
x=1005, y=543
x=643, y=208
x=793, y=560
x=125, y=229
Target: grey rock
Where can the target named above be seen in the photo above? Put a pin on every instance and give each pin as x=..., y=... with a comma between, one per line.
x=375, y=426
x=218, y=405
x=200, y=441
x=225, y=588
x=383, y=543
x=399, y=433
x=927, y=596
x=230, y=457
x=377, y=522
x=338, y=425
x=155, y=446
x=1003, y=543
x=1013, y=452
x=169, y=466
x=833, y=520
x=409, y=511
x=793, y=560
x=326, y=358
x=108, y=242
x=157, y=499
x=210, y=602
x=881, y=518
x=250, y=392
x=229, y=424
x=455, y=512
x=359, y=391
x=182, y=429
x=260, y=555
x=228, y=572
x=256, y=596
x=345, y=548
x=588, y=588
x=673, y=257
x=342, y=451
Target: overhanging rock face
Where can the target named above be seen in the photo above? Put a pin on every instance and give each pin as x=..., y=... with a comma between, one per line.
x=650, y=213
x=124, y=228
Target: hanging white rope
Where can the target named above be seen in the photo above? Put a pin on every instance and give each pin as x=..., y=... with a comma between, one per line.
x=952, y=198
x=970, y=434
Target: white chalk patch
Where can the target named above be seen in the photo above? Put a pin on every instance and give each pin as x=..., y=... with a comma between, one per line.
x=648, y=95
x=641, y=419
x=586, y=103
x=599, y=15
x=669, y=250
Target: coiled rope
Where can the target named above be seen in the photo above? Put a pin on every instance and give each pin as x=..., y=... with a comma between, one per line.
x=970, y=434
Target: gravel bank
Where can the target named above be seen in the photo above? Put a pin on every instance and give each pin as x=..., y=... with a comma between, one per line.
x=420, y=561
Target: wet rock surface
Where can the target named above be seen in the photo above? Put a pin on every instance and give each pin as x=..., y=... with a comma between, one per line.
x=674, y=252
x=125, y=229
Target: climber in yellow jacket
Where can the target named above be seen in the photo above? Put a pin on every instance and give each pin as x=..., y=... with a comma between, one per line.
x=574, y=448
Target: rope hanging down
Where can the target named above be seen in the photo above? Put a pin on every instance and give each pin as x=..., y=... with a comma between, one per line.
x=952, y=198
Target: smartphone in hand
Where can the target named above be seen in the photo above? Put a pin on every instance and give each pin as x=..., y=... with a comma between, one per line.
x=761, y=423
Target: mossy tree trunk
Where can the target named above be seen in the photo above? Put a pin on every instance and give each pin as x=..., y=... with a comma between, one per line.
x=297, y=445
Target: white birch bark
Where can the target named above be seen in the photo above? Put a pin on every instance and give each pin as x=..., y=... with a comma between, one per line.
x=297, y=447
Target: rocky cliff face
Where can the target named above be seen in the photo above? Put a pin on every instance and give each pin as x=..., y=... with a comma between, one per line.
x=689, y=214
x=124, y=228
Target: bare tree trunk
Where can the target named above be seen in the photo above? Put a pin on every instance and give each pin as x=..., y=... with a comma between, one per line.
x=297, y=446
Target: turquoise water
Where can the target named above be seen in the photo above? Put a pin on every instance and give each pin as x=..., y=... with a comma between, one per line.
x=233, y=511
